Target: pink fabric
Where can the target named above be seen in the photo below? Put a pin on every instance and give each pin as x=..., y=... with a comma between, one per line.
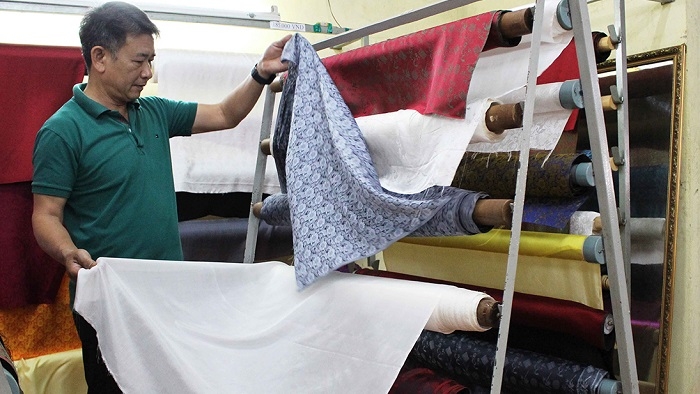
x=36, y=80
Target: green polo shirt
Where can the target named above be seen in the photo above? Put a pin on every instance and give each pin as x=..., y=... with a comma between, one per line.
x=116, y=176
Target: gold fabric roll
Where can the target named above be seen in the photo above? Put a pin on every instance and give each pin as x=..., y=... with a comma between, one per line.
x=573, y=280
x=532, y=243
x=57, y=373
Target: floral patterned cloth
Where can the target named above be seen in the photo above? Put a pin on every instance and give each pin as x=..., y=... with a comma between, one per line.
x=339, y=212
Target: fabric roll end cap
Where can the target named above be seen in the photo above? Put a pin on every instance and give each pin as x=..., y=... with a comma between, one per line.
x=493, y=212
x=257, y=209
x=488, y=313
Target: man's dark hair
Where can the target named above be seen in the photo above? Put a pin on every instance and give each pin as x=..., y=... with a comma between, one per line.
x=109, y=25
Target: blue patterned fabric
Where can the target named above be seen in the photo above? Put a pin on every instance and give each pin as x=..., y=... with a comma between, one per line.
x=470, y=361
x=454, y=218
x=553, y=212
x=339, y=212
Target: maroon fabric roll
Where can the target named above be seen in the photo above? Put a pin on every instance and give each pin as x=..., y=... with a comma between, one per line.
x=37, y=80
x=27, y=274
x=425, y=381
x=540, y=312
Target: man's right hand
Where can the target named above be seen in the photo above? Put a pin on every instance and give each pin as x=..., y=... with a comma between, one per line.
x=77, y=259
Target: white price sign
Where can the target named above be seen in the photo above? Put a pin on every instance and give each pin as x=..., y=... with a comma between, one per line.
x=287, y=26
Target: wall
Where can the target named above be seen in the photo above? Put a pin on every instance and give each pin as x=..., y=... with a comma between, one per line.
x=650, y=25
x=685, y=343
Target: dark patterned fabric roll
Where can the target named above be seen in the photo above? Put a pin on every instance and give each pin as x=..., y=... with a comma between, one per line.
x=470, y=361
x=496, y=174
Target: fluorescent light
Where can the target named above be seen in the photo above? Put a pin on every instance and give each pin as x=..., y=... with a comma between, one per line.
x=157, y=10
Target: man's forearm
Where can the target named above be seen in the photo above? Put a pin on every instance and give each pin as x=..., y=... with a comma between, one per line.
x=52, y=237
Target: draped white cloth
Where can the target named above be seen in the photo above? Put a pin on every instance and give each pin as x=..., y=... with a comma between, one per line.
x=201, y=327
x=221, y=161
x=412, y=152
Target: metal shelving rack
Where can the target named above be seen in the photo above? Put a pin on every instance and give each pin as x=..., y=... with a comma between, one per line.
x=613, y=218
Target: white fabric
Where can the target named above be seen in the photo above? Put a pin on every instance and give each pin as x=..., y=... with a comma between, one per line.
x=501, y=74
x=221, y=161
x=200, y=327
x=581, y=222
x=412, y=152
x=548, y=121
x=648, y=240
x=456, y=311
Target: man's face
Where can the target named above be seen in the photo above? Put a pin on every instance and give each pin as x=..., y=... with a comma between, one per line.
x=129, y=69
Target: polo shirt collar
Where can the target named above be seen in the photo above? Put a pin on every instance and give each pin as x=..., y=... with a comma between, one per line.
x=92, y=107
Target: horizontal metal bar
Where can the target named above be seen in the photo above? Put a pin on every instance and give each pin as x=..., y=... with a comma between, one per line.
x=408, y=17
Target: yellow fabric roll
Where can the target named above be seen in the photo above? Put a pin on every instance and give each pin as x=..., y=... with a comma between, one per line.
x=57, y=373
x=574, y=280
x=532, y=243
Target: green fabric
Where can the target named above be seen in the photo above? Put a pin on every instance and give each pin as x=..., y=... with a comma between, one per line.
x=117, y=177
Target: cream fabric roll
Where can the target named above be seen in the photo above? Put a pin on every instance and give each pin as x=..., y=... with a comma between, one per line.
x=201, y=327
x=56, y=373
x=220, y=161
x=456, y=310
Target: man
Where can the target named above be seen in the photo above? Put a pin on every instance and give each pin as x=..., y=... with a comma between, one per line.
x=103, y=182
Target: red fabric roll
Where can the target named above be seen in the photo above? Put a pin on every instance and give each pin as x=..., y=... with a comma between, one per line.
x=535, y=311
x=425, y=381
x=37, y=80
x=428, y=71
x=27, y=274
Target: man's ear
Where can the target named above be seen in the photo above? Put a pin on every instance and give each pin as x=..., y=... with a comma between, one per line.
x=98, y=55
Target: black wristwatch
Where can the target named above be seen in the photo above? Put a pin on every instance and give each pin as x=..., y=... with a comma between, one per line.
x=259, y=79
